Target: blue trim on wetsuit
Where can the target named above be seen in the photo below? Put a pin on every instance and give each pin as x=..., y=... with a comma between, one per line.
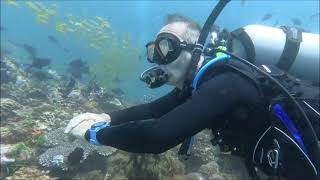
x=286, y=120
x=95, y=128
x=202, y=70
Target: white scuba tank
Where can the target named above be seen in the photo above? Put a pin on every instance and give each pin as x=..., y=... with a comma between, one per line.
x=267, y=45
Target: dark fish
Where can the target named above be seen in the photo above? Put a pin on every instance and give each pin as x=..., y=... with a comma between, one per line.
x=41, y=75
x=77, y=67
x=37, y=94
x=27, y=47
x=77, y=63
x=117, y=80
x=40, y=62
x=53, y=40
x=68, y=87
x=93, y=85
x=266, y=17
x=276, y=23
x=117, y=91
x=296, y=21
x=2, y=28
x=315, y=16
x=30, y=49
x=66, y=50
x=242, y=2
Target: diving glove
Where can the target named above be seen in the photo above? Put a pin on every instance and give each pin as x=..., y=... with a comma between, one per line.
x=81, y=123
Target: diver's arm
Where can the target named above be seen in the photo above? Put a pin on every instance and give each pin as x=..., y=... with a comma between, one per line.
x=150, y=110
x=215, y=97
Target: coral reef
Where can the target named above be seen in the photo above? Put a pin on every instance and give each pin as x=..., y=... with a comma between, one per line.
x=212, y=164
x=8, y=108
x=144, y=166
x=34, y=114
x=30, y=173
x=7, y=70
x=5, y=149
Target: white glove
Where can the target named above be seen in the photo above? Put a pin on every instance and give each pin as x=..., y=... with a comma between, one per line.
x=81, y=123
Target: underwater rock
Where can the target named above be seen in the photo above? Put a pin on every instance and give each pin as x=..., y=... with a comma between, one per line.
x=144, y=166
x=202, y=153
x=91, y=106
x=7, y=69
x=67, y=85
x=7, y=76
x=49, y=118
x=30, y=173
x=75, y=96
x=21, y=152
x=54, y=74
x=5, y=161
x=62, y=146
x=210, y=170
x=10, y=70
x=211, y=163
x=106, y=101
x=232, y=166
x=43, y=108
x=8, y=108
x=21, y=81
x=225, y=167
x=110, y=104
x=5, y=149
x=195, y=176
x=95, y=174
x=37, y=94
x=116, y=102
x=6, y=135
x=12, y=154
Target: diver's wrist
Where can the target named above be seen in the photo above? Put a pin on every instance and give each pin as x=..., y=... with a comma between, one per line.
x=91, y=134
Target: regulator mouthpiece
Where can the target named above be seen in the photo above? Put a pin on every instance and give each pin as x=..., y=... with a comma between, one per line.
x=154, y=77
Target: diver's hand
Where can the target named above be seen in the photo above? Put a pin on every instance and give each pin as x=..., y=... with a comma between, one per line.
x=81, y=123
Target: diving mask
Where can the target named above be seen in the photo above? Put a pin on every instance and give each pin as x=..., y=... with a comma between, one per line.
x=166, y=48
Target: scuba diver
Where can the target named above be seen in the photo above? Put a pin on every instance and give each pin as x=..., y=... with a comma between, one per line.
x=262, y=113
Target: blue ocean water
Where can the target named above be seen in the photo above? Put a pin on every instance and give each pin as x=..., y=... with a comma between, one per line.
x=141, y=20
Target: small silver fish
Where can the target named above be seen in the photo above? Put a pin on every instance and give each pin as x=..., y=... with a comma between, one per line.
x=266, y=17
x=296, y=21
x=315, y=16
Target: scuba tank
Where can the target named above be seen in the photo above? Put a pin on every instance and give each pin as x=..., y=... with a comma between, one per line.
x=290, y=49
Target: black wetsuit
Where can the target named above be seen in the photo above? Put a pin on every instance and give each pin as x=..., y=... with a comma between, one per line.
x=164, y=123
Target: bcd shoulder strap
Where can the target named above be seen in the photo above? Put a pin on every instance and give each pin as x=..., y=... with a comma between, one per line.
x=291, y=47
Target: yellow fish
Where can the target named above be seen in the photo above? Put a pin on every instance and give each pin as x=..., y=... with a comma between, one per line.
x=61, y=27
x=12, y=3
x=103, y=23
x=94, y=46
x=31, y=5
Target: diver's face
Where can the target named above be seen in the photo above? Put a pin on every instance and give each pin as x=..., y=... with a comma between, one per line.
x=177, y=70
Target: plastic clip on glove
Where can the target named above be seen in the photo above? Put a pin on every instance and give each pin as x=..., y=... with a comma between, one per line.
x=81, y=123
